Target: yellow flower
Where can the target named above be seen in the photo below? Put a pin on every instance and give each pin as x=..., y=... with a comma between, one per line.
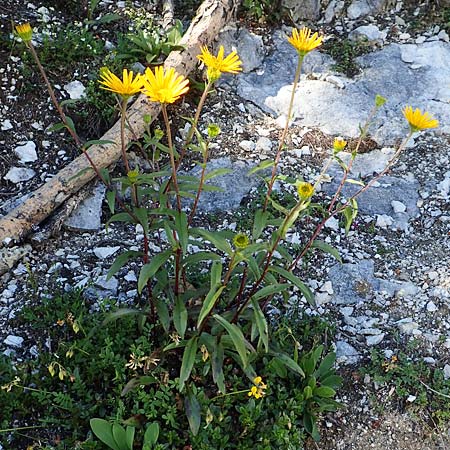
x=164, y=86
x=218, y=64
x=305, y=190
x=419, y=121
x=258, y=390
x=339, y=144
x=126, y=87
x=241, y=241
x=25, y=32
x=303, y=42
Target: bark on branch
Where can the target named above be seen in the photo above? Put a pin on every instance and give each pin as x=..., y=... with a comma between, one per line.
x=211, y=16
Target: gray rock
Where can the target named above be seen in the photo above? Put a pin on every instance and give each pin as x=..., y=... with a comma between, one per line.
x=321, y=104
x=407, y=325
x=27, y=152
x=333, y=9
x=105, y=252
x=446, y=371
x=88, y=214
x=235, y=185
x=346, y=354
x=361, y=8
x=110, y=285
x=370, y=33
x=75, y=89
x=263, y=144
x=249, y=46
x=302, y=9
x=137, y=67
x=19, y=174
x=398, y=207
x=6, y=125
x=374, y=340
x=13, y=341
x=354, y=283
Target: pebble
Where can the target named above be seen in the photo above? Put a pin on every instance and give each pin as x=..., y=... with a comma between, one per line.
x=75, y=89
x=13, y=341
x=431, y=307
x=263, y=144
x=384, y=221
x=407, y=326
x=327, y=287
x=247, y=145
x=447, y=372
x=19, y=174
x=6, y=125
x=105, y=252
x=398, y=207
x=374, y=340
x=26, y=152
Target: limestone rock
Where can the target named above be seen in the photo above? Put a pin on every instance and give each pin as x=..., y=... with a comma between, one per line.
x=26, y=152
x=303, y=9
x=361, y=8
x=19, y=174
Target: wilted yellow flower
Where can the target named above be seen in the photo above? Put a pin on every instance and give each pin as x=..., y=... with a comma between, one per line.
x=218, y=64
x=419, y=121
x=164, y=86
x=126, y=87
x=25, y=32
x=305, y=190
x=241, y=241
x=339, y=144
x=303, y=42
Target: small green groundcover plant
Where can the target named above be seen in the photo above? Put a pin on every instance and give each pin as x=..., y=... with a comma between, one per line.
x=206, y=335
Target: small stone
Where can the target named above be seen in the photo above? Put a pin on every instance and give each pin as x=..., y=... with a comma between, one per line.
x=446, y=371
x=374, y=340
x=345, y=353
x=433, y=275
x=247, y=145
x=75, y=89
x=411, y=398
x=263, y=144
x=421, y=39
x=27, y=152
x=443, y=36
x=322, y=297
x=13, y=341
x=332, y=223
x=429, y=360
x=404, y=36
x=105, y=252
x=431, y=307
x=6, y=125
x=130, y=276
x=19, y=174
x=369, y=33
x=327, y=287
x=407, y=326
x=384, y=221
x=398, y=207
x=108, y=285
x=400, y=21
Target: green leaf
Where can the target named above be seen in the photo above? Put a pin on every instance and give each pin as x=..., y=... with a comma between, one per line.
x=261, y=166
x=309, y=422
x=351, y=181
x=133, y=383
x=120, y=261
x=111, y=199
x=217, y=358
x=296, y=282
x=209, y=302
x=216, y=273
x=333, y=381
x=103, y=430
x=278, y=207
x=200, y=256
x=180, y=316
x=216, y=238
x=151, y=434
x=119, y=313
x=56, y=127
x=149, y=269
x=216, y=173
x=324, y=391
x=187, y=363
x=163, y=313
x=261, y=323
x=107, y=18
x=120, y=436
x=120, y=217
x=288, y=362
x=97, y=142
x=192, y=408
x=270, y=290
x=259, y=223
x=236, y=336
x=327, y=248
x=181, y=225
x=141, y=214
x=70, y=125
x=325, y=365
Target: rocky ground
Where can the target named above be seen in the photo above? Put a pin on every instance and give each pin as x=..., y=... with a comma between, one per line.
x=393, y=287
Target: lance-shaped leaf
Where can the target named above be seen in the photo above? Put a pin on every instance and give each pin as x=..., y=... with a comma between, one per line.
x=149, y=269
x=190, y=351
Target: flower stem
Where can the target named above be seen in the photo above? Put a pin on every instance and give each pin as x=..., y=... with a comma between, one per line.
x=284, y=133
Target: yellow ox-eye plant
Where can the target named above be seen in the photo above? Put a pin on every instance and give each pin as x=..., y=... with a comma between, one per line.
x=210, y=326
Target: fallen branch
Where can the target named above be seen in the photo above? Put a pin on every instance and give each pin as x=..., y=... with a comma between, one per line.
x=211, y=16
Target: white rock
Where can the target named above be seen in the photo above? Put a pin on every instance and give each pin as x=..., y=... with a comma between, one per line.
x=105, y=252
x=411, y=398
x=398, y=207
x=370, y=32
x=27, y=152
x=322, y=297
x=75, y=89
x=13, y=341
x=407, y=325
x=247, y=145
x=332, y=223
x=18, y=174
x=433, y=275
x=263, y=144
x=443, y=36
x=327, y=287
x=6, y=125
x=384, y=221
x=446, y=371
x=431, y=307
x=130, y=276
x=374, y=340
x=444, y=185
x=109, y=285
x=421, y=39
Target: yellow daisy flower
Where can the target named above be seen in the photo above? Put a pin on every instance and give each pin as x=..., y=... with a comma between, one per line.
x=25, y=32
x=241, y=241
x=218, y=64
x=305, y=190
x=126, y=87
x=419, y=121
x=164, y=86
x=339, y=144
x=303, y=42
